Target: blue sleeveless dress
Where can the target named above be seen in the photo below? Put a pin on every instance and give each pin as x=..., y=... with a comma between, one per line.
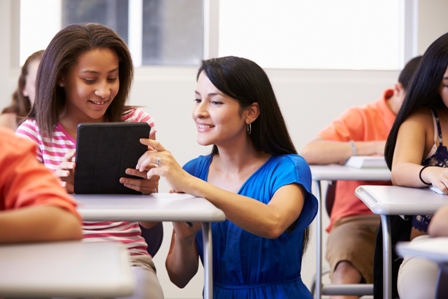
x=439, y=157
x=248, y=266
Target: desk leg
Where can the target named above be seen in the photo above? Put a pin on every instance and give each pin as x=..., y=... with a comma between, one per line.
x=387, y=257
x=208, y=260
x=318, y=286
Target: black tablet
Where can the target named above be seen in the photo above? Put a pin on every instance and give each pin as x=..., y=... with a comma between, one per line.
x=103, y=152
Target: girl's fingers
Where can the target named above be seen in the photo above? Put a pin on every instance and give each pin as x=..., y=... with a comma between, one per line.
x=62, y=173
x=67, y=165
x=70, y=156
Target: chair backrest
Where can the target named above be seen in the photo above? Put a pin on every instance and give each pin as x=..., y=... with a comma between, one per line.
x=153, y=237
x=329, y=197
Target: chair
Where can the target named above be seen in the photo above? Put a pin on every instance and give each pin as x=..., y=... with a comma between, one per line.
x=347, y=289
x=153, y=237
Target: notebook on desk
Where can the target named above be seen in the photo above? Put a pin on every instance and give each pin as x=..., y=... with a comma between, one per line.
x=366, y=162
x=103, y=152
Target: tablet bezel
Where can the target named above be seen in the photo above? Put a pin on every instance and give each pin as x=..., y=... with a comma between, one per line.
x=103, y=152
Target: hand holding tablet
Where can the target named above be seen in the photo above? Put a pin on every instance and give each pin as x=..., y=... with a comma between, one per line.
x=103, y=153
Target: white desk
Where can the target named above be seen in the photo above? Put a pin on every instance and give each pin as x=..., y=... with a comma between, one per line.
x=157, y=207
x=434, y=249
x=335, y=172
x=65, y=269
x=395, y=200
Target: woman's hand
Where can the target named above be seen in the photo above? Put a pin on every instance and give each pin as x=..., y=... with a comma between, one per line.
x=158, y=162
x=66, y=171
x=186, y=230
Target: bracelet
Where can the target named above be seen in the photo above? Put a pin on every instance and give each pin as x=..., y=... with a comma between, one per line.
x=352, y=144
x=420, y=175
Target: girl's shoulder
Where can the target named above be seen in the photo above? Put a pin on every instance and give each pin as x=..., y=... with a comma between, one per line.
x=418, y=122
x=134, y=114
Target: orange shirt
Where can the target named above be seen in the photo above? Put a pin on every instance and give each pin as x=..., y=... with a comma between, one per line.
x=26, y=182
x=367, y=123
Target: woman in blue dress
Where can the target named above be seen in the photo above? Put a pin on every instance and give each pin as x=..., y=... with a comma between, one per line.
x=253, y=174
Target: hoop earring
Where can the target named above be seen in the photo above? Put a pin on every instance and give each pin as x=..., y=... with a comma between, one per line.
x=249, y=128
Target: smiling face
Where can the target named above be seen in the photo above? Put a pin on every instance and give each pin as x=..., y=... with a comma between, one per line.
x=91, y=85
x=219, y=118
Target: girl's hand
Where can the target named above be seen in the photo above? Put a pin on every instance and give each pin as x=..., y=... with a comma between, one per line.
x=66, y=171
x=144, y=185
x=438, y=177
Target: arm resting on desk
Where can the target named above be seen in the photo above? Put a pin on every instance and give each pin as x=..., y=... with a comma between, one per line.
x=38, y=223
x=320, y=151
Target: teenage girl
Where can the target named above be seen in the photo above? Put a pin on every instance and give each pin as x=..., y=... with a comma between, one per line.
x=85, y=76
x=417, y=156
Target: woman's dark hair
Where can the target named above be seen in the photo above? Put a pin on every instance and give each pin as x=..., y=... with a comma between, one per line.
x=21, y=104
x=61, y=55
x=423, y=90
x=246, y=82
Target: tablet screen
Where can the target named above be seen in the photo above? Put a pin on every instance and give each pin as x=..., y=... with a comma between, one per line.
x=103, y=152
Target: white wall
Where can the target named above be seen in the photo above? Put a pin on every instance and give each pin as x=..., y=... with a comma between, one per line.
x=309, y=100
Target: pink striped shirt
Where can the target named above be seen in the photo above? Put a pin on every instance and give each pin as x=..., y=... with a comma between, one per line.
x=52, y=151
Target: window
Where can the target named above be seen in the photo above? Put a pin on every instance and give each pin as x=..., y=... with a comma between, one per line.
x=286, y=34
x=158, y=32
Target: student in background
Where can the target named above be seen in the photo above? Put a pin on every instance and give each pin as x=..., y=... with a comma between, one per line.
x=85, y=76
x=417, y=157
x=33, y=205
x=253, y=174
x=23, y=97
x=353, y=227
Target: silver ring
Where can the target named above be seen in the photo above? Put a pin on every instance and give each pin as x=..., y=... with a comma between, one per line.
x=158, y=161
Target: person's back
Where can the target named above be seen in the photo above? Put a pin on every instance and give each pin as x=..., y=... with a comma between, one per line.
x=358, y=131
